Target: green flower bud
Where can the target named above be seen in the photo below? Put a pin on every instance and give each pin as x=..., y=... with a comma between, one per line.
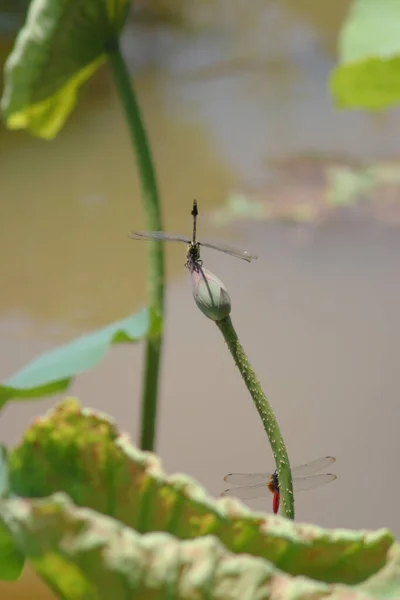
x=210, y=294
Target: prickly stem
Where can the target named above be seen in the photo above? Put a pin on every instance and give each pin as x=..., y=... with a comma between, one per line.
x=266, y=414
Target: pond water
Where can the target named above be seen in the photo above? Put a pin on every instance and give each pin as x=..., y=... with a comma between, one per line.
x=318, y=313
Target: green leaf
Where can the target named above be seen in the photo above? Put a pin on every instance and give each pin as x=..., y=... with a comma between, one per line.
x=11, y=559
x=61, y=45
x=87, y=556
x=52, y=372
x=237, y=207
x=81, y=452
x=346, y=185
x=349, y=185
x=369, y=54
x=4, y=479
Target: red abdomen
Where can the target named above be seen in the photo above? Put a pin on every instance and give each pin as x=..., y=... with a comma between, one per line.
x=275, y=502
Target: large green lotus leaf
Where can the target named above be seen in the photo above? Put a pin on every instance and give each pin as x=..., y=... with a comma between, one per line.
x=368, y=75
x=53, y=371
x=11, y=558
x=82, y=453
x=62, y=43
x=84, y=555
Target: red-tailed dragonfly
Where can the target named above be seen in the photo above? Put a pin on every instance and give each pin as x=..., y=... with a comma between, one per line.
x=258, y=485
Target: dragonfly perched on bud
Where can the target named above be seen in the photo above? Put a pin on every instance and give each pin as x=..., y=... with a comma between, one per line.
x=258, y=485
x=193, y=259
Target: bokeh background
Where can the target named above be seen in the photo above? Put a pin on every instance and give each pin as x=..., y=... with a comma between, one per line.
x=236, y=103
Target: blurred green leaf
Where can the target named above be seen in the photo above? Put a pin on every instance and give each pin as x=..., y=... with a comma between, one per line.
x=11, y=559
x=345, y=185
x=385, y=174
x=52, y=372
x=4, y=482
x=62, y=43
x=368, y=75
x=81, y=452
x=86, y=556
x=238, y=206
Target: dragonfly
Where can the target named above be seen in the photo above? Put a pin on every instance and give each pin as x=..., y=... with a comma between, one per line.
x=193, y=259
x=258, y=485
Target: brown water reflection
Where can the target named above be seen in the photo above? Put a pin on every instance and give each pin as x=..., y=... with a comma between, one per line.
x=318, y=312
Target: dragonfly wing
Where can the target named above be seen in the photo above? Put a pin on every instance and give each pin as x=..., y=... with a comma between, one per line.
x=308, y=483
x=298, y=472
x=248, y=491
x=313, y=466
x=248, y=478
x=243, y=254
x=158, y=235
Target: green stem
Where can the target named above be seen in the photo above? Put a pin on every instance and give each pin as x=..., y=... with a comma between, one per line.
x=266, y=414
x=156, y=271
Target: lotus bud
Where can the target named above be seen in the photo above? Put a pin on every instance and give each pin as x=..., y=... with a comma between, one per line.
x=210, y=294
